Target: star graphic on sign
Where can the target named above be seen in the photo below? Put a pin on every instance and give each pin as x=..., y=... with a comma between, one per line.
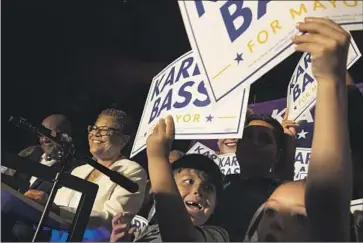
x=209, y=118
x=302, y=134
x=239, y=58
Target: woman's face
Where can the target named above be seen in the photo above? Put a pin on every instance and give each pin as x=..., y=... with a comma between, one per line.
x=105, y=139
x=284, y=217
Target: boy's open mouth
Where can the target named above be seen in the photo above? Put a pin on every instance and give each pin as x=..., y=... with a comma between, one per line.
x=194, y=205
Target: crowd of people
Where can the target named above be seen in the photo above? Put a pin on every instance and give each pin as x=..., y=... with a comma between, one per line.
x=185, y=197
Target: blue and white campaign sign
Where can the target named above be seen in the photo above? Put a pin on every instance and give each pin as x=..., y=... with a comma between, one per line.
x=199, y=148
x=228, y=164
x=139, y=222
x=239, y=41
x=179, y=90
x=302, y=159
x=301, y=91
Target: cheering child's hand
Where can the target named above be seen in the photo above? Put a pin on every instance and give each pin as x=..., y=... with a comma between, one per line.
x=159, y=142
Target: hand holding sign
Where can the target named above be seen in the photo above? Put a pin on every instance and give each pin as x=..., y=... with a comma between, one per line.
x=289, y=126
x=159, y=142
x=328, y=44
x=121, y=228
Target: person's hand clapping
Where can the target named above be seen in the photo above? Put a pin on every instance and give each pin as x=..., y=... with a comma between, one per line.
x=121, y=228
x=160, y=140
x=328, y=44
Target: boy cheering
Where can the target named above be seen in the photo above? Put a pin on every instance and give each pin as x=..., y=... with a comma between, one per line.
x=185, y=194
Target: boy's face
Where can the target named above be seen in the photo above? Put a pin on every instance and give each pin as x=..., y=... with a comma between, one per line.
x=199, y=196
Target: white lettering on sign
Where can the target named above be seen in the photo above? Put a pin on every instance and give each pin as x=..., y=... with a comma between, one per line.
x=302, y=159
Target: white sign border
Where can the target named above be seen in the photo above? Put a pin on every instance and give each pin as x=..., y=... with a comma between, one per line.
x=195, y=46
x=244, y=95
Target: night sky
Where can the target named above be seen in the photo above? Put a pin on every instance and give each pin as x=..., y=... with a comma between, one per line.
x=78, y=57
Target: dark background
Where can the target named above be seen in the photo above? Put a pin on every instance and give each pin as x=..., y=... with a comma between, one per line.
x=78, y=57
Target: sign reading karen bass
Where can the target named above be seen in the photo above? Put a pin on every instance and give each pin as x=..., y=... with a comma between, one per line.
x=301, y=92
x=239, y=41
x=179, y=90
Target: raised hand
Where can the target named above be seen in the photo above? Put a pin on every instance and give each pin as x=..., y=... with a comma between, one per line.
x=289, y=126
x=328, y=44
x=121, y=228
x=159, y=142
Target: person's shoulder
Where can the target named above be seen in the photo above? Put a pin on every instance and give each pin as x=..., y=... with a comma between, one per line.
x=77, y=169
x=128, y=165
x=213, y=233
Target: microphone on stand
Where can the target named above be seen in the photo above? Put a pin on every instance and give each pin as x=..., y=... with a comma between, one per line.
x=40, y=130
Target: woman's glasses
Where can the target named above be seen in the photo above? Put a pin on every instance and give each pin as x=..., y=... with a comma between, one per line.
x=103, y=130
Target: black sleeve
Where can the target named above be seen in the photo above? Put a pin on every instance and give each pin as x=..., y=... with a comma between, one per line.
x=355, y=123
x=355, y=117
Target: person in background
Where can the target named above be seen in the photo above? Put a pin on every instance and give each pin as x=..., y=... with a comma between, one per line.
x=258, y=152
x=229, y=145
x=185, y=198
x=318, y=210
x=46, y=154
x=107, y=137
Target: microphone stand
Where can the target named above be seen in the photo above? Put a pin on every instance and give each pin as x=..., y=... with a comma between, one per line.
x=66, y=152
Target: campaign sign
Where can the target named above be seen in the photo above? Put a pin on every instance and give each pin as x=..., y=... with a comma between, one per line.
x=302, y=159
x=139, y=222
x=356, y=205
x=179, y=90
x=301, y=91
x=199, y=148
x=228, y=164
x=239, y=41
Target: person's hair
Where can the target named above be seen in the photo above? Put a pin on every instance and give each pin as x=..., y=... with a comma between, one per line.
x=64, y=125
x=302, y=182
x=277, y=128
x=121, y=118
x=206, y=169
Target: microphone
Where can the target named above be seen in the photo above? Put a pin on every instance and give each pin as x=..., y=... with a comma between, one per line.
x=40, y=130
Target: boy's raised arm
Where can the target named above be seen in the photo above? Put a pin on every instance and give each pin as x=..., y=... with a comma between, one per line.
x=174, y=221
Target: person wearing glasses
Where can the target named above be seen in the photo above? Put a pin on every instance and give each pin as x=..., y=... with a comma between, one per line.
x=107, y=138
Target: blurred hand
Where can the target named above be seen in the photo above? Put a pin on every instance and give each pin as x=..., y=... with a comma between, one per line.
x=328, y=44
x=39, y=196
x=121, y=229
x=289, y=126
x=249, y=112
x=160, y=140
